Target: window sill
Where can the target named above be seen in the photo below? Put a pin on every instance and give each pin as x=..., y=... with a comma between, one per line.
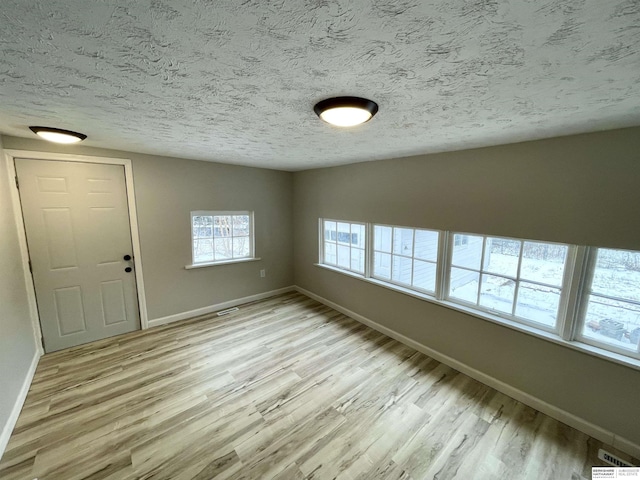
x=226, y=262
x=551, y=337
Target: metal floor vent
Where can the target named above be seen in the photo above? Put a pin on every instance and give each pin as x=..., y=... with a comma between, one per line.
x=227, y=311
x=612, y=459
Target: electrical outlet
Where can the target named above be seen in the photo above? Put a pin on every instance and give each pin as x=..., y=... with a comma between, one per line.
x=263, y=273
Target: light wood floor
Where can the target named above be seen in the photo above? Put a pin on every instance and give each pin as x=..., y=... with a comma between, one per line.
x=285, y=388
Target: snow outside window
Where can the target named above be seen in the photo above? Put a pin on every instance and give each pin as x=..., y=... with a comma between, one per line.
x=611, y=302
x=406, y=256
x=518, y=279
x=343, y=245
x=221, y=236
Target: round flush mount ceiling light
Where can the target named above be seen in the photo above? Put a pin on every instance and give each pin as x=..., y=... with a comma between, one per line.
x=58, y=135
x=346, y=111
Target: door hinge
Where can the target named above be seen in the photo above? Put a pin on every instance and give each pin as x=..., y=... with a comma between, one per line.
x=17, y=183
x=30, y=267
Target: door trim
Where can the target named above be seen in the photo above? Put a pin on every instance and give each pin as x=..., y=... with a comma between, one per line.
x=11, y=155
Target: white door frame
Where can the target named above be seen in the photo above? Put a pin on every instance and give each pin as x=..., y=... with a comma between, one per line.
x=11, y=155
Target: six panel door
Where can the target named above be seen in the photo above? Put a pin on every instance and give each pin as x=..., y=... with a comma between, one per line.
x=78, y=233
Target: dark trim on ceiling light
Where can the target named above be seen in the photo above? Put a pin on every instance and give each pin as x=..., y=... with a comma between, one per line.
x=80, y=136
x=354, y=102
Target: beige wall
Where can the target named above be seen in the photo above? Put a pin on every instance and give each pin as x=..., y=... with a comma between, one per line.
x=17, y=343
x=167, y=190
x=582, y=189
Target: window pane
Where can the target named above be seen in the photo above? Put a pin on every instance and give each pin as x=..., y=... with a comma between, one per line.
x=501, y=256
x=241, y=225
x=403, y=241
x=344, y=233
x=382, y=265
x=424, y=275
x=463, y=285
x=222, y=226
x=538, y=304
x=330, y=253
x=426, y=245
x=401, y=271
x=617, y=274
x=202, y=226
x=344, y=259
x=357, y=260
x=223, y=248
x=330, y=231
x=202, y=250
x=382, y=238
x=357, y=235
x=497, y=293
x=468, y=253
x=240, y=247
x=543, y=262
x=612, y=322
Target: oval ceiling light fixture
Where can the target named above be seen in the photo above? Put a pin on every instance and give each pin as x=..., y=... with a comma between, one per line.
x=58, y=135
x=346, y=111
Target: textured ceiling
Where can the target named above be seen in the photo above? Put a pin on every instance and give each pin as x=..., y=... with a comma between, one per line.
x=236, y=81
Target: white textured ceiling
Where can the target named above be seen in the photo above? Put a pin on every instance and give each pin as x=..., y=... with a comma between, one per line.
x=236, y=81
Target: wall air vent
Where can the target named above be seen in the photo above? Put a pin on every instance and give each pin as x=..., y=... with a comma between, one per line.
x=612, y=459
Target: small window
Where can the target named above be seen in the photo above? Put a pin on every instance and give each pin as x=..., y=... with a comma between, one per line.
x=343, y=245
x=611, y=302
x=406, y=257
x=518, y=279
x=221, y=237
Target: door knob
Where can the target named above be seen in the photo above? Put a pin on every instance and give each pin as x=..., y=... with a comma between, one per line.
x=128, y=269
x=127, y=257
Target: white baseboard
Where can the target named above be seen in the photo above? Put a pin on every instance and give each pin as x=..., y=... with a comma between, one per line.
x=217, y=307
x=563, y=416
x=8, y=427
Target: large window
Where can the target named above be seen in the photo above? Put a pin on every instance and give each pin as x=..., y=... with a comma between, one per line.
x=343, y=245
x=406, y=256
x=515, y=278
x=610, y=311
x=221, y=237
x=583, y=296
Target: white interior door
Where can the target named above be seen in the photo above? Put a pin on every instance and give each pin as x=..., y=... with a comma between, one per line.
x=78, y=233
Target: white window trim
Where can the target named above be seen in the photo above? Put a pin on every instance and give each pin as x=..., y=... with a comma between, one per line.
x=370, y=273
x=581, y=308
x=512, y=317
x=221, y=262
x=252, y=246
x=578, y=268
x=321, y=241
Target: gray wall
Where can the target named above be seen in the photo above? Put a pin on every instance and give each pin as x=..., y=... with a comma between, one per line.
x=581, y=189
x=167, y=190
x=17, y=343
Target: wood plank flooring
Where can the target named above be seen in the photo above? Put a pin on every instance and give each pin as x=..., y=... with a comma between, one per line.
x=285, y=388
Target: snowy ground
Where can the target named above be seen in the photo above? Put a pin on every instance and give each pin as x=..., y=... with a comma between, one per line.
x=540, y=303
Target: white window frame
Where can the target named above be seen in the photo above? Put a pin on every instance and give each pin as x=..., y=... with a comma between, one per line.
x=213, y=213
x=412, y=257
x=321, y=240
x=564, y=286
x=583, y=301
x=576, y=282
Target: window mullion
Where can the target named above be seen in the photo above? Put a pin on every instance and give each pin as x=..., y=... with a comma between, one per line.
x=516, y=291
x=443, y=268
x=484, y=247
x=413, y=253
x=579, y=296
x=368, y=250
x=393, y=236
